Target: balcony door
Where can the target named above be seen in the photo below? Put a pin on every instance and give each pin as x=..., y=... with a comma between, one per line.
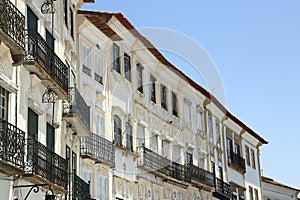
x=32, y=124
x=50, y=40
x=50, y=140
x=32, y=20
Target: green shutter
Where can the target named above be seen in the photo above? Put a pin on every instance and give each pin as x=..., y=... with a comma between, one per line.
x=33, y=124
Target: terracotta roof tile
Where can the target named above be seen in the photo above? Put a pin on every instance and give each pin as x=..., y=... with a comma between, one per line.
x=94, y=18
x=271, y=181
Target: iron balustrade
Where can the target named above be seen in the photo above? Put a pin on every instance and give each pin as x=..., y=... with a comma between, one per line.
x=12, y=144
x=86, y=70
x=156, y=162
x=46, y=163
x=98, y=78
x=12, y=22
x=202, y=176
x=237, y=162
x=77, y=105
x=98, y=148
x=80, y=188
x=40, y=52
x=223, y=188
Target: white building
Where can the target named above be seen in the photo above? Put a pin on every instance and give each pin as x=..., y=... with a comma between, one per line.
x=273, y=190
x=91, y=109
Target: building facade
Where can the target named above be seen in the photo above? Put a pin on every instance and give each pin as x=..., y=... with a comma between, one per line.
x=273, y=190
x=90, y=109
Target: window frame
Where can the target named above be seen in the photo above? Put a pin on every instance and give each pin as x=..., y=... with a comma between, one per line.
x=4, y=108
x=139, y=77
x=117, y=130
x=174, y=104
x=163, y=97
x=127, y=67
x=253, y=162
x=152, y=89
x=116, y=58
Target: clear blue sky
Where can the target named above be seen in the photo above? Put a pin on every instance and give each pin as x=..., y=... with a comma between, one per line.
x=256, y=48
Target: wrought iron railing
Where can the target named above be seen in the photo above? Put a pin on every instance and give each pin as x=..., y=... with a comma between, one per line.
x=46, y=163
x=12, y=22
x=155, y=162
x=86, y=70
x=40, y=52
x=98, y=148
x=202, y=176
x=98, y=78
x=223, y=188
x=237, y=162
x=12, y=144
x=77, y=105
x=80, y=188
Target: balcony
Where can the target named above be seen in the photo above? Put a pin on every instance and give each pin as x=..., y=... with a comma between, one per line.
x=202, y=177
x=98, y=149
x=12, y=151
x=81, y=189
x=158, y=165
x=12, y=29
x=77, y=112
x=222, y=190
x=42, y=61
x=237, y=162
x=45, y=166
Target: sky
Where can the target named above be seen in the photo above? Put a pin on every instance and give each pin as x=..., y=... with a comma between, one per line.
x=255, y=46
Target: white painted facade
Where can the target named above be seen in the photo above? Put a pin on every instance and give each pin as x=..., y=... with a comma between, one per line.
x=139, y=105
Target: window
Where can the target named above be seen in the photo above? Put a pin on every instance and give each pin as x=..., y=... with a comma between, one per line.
x=117, y=130
x=163, y=97
x=74, y=162
x=253, y=159
x=189, y=159
x=247, y=155
x=209, y=124
x=212, y=167
x=66, y=12
x=176, y=154
x=166, y=149
x=256, y=194
x=32, y=20
x=152, y=89
x=140, y=135
x=229, y=149
x=234, y=197
x=97, y=67
x=33, y=124
x=187, y=111
x=237, y=149
x=174, y=105
x=102, y=188
x=250, y=193
x=139, y=78
x=72, y=23
x=199, y=119
x=50, y=138
x=154, y=143
x=68, y=158
x=50, y=40
x=127, y=67
x=129, y=136
x=86, y=176
x=3, y=103
x=100, y=125
x=116, y=59
x=218, y=131
x=85, y=59
x=220, y=172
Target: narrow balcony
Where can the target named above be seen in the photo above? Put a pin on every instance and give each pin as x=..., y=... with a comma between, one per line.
x=202, y=177
x=158, y=165
x=222, y=190
x=77, y=113
x=237, y=162
x=42, y=61
x=98, y=149
x=45, y=166
x=12, y=148
x=80, y=188
x=12, y=29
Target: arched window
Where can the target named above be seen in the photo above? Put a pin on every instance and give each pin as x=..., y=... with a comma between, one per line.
x=117, y=130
